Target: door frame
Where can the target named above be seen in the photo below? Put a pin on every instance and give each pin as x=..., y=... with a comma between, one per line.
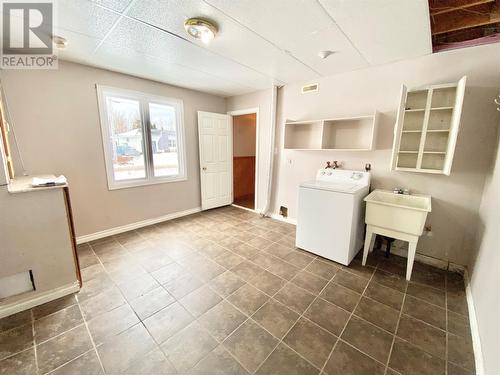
x=240, y=112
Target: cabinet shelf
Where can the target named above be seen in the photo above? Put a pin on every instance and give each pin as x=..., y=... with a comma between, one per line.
x=427, y=128
x=338, y=134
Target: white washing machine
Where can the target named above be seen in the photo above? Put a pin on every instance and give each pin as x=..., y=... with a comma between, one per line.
x=330, y=219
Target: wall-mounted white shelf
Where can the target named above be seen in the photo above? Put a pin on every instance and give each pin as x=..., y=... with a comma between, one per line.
x=427, y=127
x=339, y=134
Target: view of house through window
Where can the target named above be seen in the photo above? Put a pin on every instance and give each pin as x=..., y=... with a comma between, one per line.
x=143, y=136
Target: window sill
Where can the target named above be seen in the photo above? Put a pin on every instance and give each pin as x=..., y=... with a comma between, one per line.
x=139, y=183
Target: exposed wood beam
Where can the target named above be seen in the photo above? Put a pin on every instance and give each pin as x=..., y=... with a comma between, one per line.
x=438, y=7
x=473, y=17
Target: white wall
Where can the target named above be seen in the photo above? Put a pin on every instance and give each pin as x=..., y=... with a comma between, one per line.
x=456, y=198
x=261, y=100
x=56, y=120
x=485, y=270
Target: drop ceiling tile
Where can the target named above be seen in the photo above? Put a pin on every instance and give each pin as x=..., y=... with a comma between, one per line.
x=384, y=30
x=234, y=41
x=303, y=36
x=84, y=17
x=174, y=50
x=116, y=5
x=135, y=63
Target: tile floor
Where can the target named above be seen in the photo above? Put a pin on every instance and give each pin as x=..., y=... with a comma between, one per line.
x=226, y=292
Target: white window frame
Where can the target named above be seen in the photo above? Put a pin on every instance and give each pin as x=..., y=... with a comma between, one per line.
x=143, y=99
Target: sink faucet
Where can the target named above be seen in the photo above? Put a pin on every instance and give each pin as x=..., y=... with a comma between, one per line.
x=398, y=190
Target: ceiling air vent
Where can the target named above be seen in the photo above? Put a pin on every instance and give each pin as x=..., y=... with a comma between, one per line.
x=310, y=88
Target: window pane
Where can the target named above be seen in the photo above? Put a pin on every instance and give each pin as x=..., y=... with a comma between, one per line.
x=126, y=138
x=164, y=140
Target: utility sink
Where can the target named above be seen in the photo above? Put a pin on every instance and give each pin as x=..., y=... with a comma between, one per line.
x=397, y=212
x=397, y=216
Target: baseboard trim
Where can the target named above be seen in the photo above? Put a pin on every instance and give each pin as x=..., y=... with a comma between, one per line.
x=435, y=262
x=136, y=225
x=31, y=301
x=474, y=327
x=284, y=219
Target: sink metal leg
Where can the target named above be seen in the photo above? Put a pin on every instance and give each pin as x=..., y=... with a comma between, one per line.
x=412, y=249
x=369, y=241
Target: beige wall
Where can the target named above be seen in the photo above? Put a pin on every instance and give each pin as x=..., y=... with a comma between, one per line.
x=485, y=270
x=262, y=101
x=244, y=135
x=456, y=198
x=56, y=120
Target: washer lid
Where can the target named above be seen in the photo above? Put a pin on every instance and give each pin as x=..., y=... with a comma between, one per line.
x=340, y=187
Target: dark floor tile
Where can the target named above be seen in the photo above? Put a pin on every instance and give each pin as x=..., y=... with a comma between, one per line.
x=87, y=259
x=92, y=272
x=165, y=323
x=23, y=363
x=260, y=243
x=63, y=348
x=207, y=270
x=341, y=296
x=125, y=349
x=456, y=370
x=247, y=271
x=246, y=251
x=57, y=323
x=86, y=364
x=410, y=360
x=327, y=315
x=102, y=303
x=426, y=293
x=385, y=295
x=284, y=361
x=294, y=297
x=200, y=301
x=188, y=346
x=460, y=351
x=458, y=324
x=347, y=360
x=153, y=363
x=138, y=286
x=15, y=320
x=248, y=299
x=427, y=275
x=323, y=268
x=226, y=283
x=268, y=283
x=377, y=313
x=151, y=302
x=183, y=285
x=92, y=288
x=425, y=311
x=221, y=320
x=422, y=335
x=15, y=340
x=357, y=268
x=309, y=282
x=282, y=268
x=390, y=280
x=276, y=318
x=368, y=338
x=455, y=282
x=218, y=362
x=112, y=323
x=298, y=259
x=457, y=302
x=279, y=250
x=250, y=344
x=350, y=281
x=229, y=261
x=311, y=341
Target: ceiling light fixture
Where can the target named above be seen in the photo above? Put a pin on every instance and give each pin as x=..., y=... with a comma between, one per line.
x=200, y=29
x=59, y=42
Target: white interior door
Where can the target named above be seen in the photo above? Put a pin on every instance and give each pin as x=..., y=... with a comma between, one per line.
x=216, y=159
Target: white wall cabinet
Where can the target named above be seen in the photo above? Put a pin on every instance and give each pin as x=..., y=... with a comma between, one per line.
x=341, y=134
x=426, y=128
